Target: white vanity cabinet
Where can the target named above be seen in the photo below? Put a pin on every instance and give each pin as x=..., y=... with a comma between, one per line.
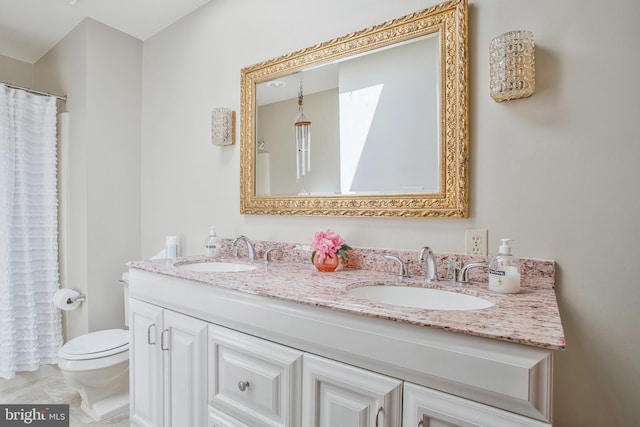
x=424, y=407
x=254, y=361
x=335, y=394
x=167, y=367
x=252, y=381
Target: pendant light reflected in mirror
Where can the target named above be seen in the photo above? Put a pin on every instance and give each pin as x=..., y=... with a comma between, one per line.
x=302, y=128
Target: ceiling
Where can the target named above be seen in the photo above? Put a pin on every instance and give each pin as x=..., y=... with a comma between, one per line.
x=29, y=28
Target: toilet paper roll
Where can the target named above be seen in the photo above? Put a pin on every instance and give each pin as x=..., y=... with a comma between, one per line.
x=62, y=298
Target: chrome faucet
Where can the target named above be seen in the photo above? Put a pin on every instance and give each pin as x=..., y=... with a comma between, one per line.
x=431, y=267
x=463, y=275
x=250, y=250
x=402, y=272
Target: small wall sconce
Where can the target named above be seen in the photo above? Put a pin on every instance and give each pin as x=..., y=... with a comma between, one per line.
x=512, y=66
x=223, y=126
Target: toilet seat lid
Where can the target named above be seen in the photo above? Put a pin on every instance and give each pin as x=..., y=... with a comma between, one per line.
x=96, y=344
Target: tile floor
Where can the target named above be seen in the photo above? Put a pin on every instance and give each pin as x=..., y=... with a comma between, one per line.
x=47, y=386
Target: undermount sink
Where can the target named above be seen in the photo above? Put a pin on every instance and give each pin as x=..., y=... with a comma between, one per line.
x=217, y=267
x=427, y=298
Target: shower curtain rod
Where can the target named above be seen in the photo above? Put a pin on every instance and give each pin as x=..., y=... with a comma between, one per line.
x=62, y=98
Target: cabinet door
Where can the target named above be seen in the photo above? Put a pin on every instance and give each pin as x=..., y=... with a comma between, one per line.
x=184, y=344
x=145, y=365
x=218, y=418
x=424, y=407
x=336, y=394
x=252, y=380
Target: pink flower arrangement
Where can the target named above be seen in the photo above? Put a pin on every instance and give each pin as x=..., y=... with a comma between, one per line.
x=327, y=244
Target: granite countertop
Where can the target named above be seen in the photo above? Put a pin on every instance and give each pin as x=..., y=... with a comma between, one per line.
x=530, y=317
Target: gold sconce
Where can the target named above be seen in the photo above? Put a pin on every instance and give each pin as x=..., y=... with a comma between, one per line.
x=512, y=66
x=223, y=127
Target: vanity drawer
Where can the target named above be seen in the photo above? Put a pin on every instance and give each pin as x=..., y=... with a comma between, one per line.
x=253, y=380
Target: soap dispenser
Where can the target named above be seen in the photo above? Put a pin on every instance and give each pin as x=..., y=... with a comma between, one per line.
x=213, y=245
x=504, y=271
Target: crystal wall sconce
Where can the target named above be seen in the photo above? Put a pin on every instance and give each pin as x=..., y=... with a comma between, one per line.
x=512, y=66
x=223, y=126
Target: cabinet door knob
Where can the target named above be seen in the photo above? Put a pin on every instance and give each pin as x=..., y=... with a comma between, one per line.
x=243, y=385
x=378, y=415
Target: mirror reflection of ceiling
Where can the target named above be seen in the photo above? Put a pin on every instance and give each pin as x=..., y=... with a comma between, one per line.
x=316, y=80
x=355, y=107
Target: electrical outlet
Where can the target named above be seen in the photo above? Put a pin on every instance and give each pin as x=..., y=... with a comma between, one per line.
x=475, y=241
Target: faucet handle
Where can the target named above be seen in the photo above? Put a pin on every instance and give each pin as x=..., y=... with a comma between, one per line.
x=452, y=266
x=267, y=253
x=402, y=272
x=463, y=274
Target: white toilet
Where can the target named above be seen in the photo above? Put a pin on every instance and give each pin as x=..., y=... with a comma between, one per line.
x=97, y=366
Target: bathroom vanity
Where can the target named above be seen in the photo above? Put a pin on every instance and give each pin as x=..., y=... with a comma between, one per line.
x=285, y=345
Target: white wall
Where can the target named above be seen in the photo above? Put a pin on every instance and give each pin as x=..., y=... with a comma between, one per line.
x=15, y=72
x=63, y=70
x=99, y=69
x=276, y=130
x=557, y=172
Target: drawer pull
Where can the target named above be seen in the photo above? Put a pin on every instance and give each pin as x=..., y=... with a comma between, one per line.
x=162, y=343
x=243, y=385
x=153, y=325
x=378, y=414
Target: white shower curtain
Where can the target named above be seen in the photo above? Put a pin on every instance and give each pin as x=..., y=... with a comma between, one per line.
x=30, y=325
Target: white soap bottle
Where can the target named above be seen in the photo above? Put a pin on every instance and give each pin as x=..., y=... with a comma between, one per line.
x=504, y=271
x=213, y=244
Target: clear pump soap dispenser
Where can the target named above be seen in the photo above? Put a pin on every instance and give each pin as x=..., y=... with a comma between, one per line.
x=504, y=271
x=213, y=245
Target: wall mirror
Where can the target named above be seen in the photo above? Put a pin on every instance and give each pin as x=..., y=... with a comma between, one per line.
x=373, y=123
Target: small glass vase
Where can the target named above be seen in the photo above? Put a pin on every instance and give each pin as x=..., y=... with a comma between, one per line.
x=328, y=264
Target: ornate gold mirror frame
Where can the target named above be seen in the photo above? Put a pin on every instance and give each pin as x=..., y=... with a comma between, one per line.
x=449, y=19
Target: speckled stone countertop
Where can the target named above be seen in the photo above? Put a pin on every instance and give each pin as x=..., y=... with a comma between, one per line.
x=530, y=317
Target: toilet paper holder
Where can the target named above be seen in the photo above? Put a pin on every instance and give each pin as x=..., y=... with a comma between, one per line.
x=68, y=299
x=79, y=298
